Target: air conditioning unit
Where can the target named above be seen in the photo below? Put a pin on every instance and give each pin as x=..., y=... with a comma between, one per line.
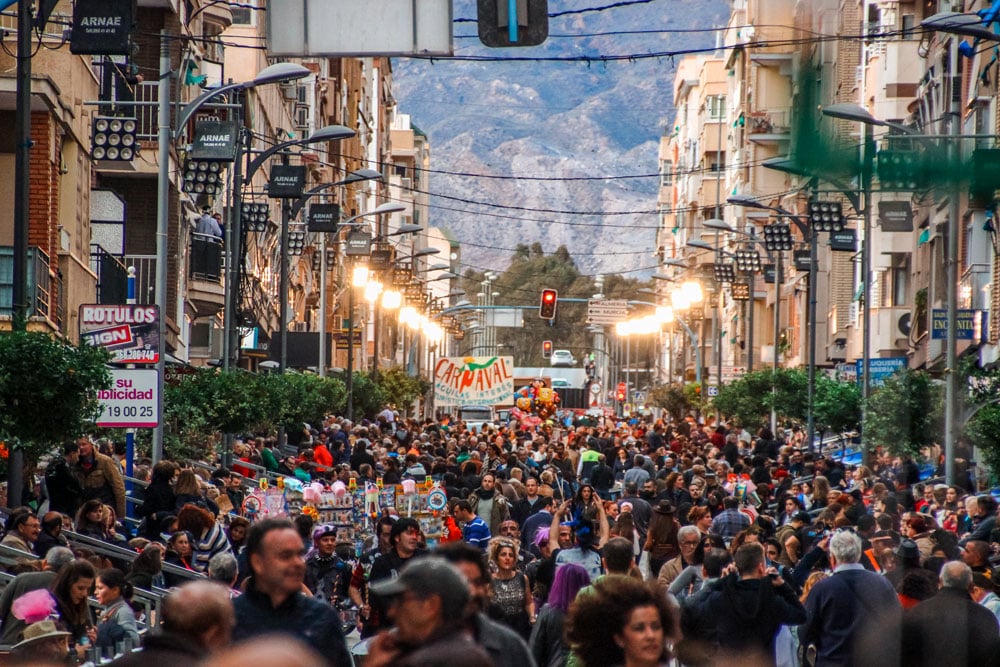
x=301, y=115
x=290, y=91
x=406, y=183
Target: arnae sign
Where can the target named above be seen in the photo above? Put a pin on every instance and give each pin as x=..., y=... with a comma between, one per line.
x=102, y=27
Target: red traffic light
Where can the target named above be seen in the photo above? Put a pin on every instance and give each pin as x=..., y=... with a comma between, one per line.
x=547, y=307
x=546, y=349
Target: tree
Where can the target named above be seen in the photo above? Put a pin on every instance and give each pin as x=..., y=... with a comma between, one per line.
x=904, y=414
x=401, y=389
x=750, y=398
x=672, y=398
x=836, y=406
x=48, y=390
x=983, y=431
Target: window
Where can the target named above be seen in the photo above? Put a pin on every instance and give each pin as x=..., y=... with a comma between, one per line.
x=715, y=106
x=666, y=173
x=909, y=26
x=246, y=15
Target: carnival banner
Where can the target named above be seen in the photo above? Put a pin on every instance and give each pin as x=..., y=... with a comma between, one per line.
x=473, y=380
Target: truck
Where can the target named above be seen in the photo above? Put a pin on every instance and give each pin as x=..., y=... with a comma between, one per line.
x=475, y=416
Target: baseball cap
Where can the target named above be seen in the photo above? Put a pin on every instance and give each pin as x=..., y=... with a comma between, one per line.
x=426, y=576
x=802, y=516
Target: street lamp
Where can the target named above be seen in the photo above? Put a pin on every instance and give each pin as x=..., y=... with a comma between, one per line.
x=273, y=74
x=777, y=239
x=356, y=176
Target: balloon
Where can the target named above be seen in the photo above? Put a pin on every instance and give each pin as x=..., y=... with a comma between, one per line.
x=339, y=489
x=524, y=403
x=545, y=395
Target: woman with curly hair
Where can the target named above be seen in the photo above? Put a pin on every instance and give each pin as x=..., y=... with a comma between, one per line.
x=623, y=622
x=512, y=603
x=209, y=538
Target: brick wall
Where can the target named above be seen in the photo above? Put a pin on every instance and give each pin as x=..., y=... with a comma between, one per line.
x=43, y=207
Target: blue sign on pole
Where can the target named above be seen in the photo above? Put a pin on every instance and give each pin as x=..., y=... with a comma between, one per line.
x=881, y=369
x=965, y=319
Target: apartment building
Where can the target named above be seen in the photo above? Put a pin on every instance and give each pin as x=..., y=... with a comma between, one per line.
x=92, y=219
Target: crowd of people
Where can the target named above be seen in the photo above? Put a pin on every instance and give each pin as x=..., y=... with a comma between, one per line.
x=603, y=541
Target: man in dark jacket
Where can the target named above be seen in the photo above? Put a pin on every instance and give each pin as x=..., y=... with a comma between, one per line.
x=274, y=601
x=949, y=628
x=848, y=610
x=65, y=492
x=749, y=608
x=504, y=646
x=429, y=604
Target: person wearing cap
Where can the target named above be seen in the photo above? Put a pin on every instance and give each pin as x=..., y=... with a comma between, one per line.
x=327, y=574
x=429, y=604
x=503, y=645
x=43, y=643
x=274, y=601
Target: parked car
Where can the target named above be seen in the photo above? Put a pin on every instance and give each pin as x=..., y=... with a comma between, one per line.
x=562, y=358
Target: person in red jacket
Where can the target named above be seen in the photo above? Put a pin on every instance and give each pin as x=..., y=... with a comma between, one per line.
x=321, y=455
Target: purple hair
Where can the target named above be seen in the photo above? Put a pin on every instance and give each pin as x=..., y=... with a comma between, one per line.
x=570, y=578
x=541, y=536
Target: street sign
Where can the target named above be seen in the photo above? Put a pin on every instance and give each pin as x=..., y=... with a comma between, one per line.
x=730, y=373
x=712, y=390
x=131, y=401
x=606, y=311
x=130, y=333
x=965, y=320
x=881, y=368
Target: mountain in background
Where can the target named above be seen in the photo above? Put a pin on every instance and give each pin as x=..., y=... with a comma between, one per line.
x=555, y=120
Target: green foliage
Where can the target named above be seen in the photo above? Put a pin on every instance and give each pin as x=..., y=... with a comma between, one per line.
x=369, y=398
x=202, y=404
x=836, y=406
x=399, y=388
x=750, y=398
x=48, y=390
x=673, y=399
x=983, y=431
x=904, y=415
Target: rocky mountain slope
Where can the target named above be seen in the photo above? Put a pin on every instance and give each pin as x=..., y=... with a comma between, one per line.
x=592, y=121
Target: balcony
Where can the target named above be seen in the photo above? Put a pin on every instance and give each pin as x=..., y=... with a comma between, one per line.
x=145, y=277
x=112, y=276
x=768, y=127
x=206, y=293
x=41, y=304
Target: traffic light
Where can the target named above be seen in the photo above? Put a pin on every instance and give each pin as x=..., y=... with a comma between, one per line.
x=620, y=392
x=546, y=349
x=547, y=307
x=513, y=22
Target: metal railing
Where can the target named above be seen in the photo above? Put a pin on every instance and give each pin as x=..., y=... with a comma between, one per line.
x=145, y=277
x=206, y=257
x=112, y=276
x=39, y=289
